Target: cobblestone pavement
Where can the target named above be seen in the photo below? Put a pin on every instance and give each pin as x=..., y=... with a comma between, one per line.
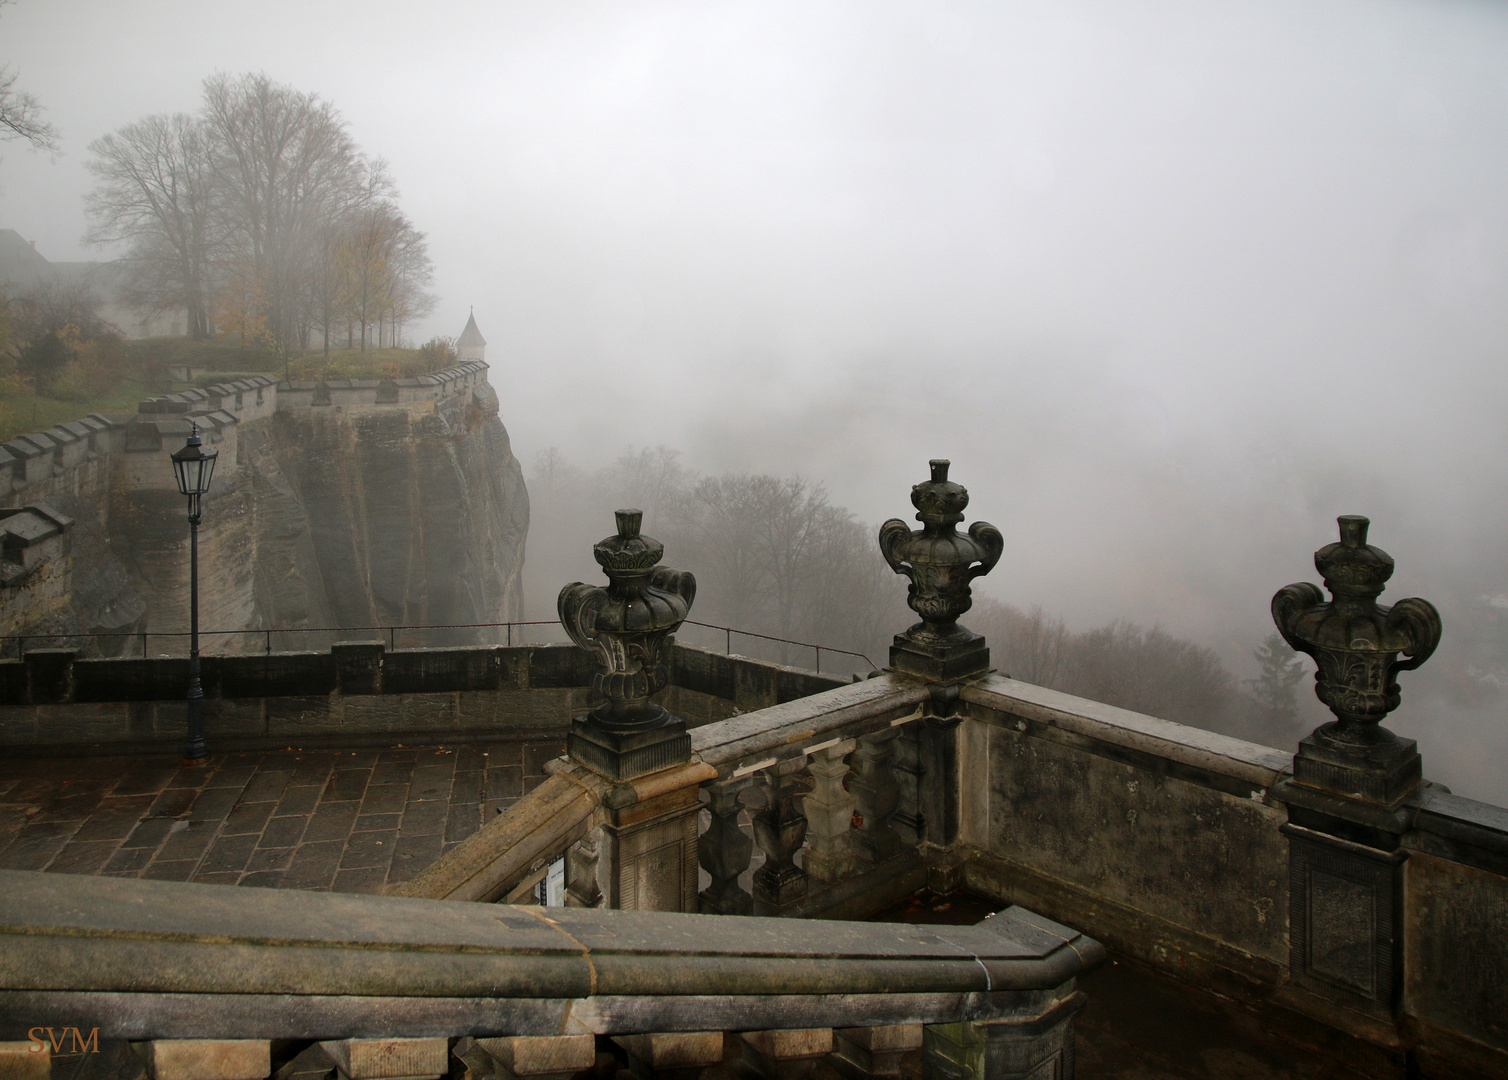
x=348, y=820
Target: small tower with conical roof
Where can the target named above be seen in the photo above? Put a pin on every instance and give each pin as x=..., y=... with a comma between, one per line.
x=471, y=345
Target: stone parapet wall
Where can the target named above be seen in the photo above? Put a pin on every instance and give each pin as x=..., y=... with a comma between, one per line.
x=353, y=694
x=1168, y=843
x=83, y=457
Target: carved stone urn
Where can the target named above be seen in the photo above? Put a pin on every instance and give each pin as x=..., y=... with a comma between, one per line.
x=626, y=627
x=941, y=563
x=1356, y=644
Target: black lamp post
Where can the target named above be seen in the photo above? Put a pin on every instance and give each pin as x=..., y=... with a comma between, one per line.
x=193, y=466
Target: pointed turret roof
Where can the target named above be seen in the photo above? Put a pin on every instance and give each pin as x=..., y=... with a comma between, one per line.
x=471, y=335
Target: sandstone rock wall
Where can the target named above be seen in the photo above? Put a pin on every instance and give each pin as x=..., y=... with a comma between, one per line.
x=347, y=514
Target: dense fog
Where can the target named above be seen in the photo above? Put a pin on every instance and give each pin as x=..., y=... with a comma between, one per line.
x=1172, y=284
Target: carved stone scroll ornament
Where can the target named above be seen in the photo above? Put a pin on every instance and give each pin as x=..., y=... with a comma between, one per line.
x=625, y=627
x=1356, y=644
x=941, y=564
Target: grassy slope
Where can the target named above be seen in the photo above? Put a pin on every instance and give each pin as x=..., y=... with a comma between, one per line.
x=226, y=360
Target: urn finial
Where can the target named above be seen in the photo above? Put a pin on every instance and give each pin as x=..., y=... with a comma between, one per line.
x=1356, y=645
x=941, y=563
x=626, y=627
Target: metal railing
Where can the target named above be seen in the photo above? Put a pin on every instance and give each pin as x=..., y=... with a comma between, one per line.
x=141, y=637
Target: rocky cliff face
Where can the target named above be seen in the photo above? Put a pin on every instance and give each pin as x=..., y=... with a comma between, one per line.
x=349, y=516
x=388, y=517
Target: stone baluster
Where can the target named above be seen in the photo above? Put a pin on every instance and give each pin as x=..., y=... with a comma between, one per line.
x=724, y=849
x=876, y=795
x=780, y=829
x=582, y=887
x=829, y=815
x=910, y=819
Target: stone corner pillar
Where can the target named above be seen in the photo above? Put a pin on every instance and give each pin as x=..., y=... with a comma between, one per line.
x=941, y=563
x=1354, y=792
x=647, y=851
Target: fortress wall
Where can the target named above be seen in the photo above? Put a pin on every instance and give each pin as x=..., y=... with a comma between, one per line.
x=422, y=467
x=354, y=694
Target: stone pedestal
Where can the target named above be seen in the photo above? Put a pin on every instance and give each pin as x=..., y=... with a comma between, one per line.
x=1380, y=768
x=917, y=653
x=621, y=756
x=649, y=850
x=1345, y=906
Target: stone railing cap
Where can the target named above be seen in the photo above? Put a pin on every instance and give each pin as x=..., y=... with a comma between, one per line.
x=1223, y=754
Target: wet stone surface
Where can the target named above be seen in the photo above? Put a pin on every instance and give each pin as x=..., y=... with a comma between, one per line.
x=1140, y=1025
x=347, y=821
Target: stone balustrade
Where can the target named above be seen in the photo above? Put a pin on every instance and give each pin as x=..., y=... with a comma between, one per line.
x=820, y=779
x=208, y=985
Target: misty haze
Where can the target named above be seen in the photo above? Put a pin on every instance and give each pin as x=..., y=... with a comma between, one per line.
x=1172, y=285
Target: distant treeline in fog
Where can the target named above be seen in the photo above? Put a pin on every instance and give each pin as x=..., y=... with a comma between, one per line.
x=774, y=555
x=259, y=216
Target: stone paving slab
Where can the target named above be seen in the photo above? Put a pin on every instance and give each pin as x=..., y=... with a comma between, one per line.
x=347, y=821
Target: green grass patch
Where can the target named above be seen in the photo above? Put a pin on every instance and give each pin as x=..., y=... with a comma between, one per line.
x=142, y=364
x=26, y=413
x=222, y=355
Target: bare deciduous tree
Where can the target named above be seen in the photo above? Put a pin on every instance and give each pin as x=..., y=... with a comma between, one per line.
x=286, y=165
x=21, y=113
x=156, y=189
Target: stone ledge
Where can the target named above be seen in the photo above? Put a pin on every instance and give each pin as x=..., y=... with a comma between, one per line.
x=1250, y=763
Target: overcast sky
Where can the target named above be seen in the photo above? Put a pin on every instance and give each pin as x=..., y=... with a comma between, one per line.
x=1173, y=284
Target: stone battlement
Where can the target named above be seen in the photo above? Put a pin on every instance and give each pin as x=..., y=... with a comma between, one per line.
x=78, y=457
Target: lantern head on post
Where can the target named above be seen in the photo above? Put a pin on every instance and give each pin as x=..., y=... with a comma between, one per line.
x=194, y=466
x=940, y=563
x=626, y=627
x=1356, y=643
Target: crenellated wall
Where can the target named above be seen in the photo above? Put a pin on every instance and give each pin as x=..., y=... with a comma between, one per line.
x=349, y=502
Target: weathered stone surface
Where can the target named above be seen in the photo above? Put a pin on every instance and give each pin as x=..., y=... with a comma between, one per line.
x=208, y=1059
x=674, y=1050
x=96, y=935
x=875, y=1051
x=526, y=1055
x=389, y=1059
x=1456, y=953
x=488, y=863
x=1071, y=787
x=785, y=1054
x=791, y=1042
x=1075, y=820
x=25, y=1060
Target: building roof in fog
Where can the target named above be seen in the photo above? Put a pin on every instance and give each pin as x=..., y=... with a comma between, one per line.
x=471, y=335
x=20, y=262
